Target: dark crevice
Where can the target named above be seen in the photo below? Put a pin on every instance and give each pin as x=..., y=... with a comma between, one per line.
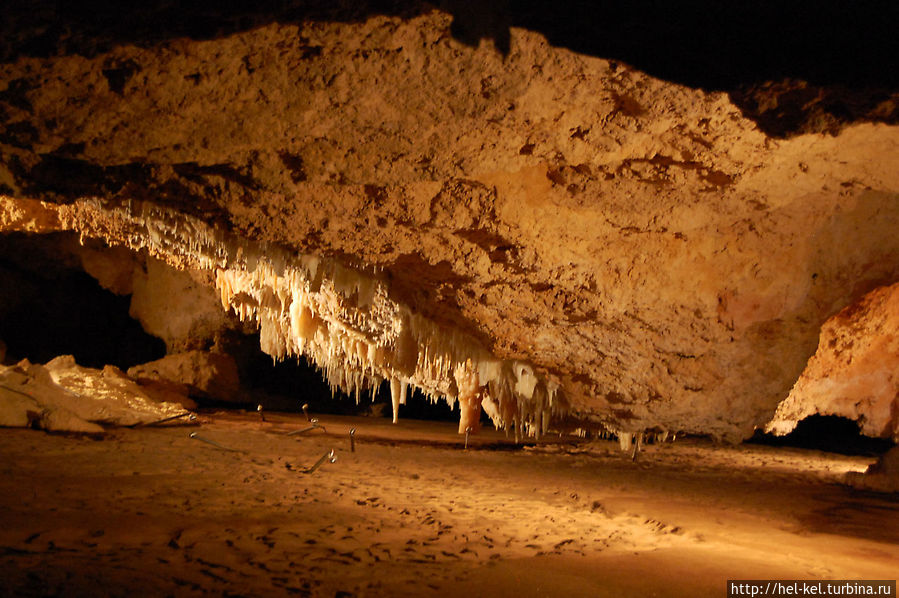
x=826, y=433
x=50, y=307
x=61, y=178
x=287, y=385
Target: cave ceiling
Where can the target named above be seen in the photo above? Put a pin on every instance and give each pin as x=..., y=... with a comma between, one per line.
x=651, y=207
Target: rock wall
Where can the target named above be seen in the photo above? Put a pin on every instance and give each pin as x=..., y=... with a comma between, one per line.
x=853, y=373
x=642, y=244
x=211, y=375
x=177, y=306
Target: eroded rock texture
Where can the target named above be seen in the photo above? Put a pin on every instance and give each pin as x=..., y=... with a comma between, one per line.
x=853, y=373
x=62, y=396
x=658, y=255
x=207, y=374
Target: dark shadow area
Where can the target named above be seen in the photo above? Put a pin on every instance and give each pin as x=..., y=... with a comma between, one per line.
x=46, y=28
x=826, y=433
x=700, y=43
x=50, y=307
x=846, y=54
x=62, y=177
x=724, y=45
x=858, y=515
x=282, y=386
x=287, y=385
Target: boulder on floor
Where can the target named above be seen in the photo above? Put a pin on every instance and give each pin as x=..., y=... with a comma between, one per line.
x=62, y=396
x=204, y=374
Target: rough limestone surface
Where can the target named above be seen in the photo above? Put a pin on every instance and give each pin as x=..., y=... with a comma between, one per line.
x=62, y=396
x=113, y=267
x=644, y=244
x=855, y=371
x=176, y=306
x=212, y=375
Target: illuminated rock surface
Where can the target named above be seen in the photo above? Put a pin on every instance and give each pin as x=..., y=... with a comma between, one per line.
x=853, y=374
x=603, y=226
x=578, y=236
x=882, y=476
x=209, y=374
x=62, y=396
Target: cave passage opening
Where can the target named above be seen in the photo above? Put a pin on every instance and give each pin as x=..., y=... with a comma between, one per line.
x=829, y=433
x=49, y=306
x=287, y=385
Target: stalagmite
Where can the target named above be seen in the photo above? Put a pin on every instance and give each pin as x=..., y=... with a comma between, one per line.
x=468, y=383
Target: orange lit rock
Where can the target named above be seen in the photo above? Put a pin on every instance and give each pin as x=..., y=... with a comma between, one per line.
x=30, y=216
x=645, y=247
x=175, y=306
x=113, y=267
x=882, y=476
x=62, y=396
x=212, y=375
x=855, y=371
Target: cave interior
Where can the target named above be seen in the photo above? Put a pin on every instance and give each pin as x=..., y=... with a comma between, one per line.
x=447, y=298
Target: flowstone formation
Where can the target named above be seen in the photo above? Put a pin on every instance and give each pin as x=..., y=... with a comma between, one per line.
x=537, y=232
x=62, y=396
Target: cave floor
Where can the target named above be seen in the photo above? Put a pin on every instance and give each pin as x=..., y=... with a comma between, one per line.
x=410, y=513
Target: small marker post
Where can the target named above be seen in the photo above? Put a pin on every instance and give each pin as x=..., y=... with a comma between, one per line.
x=638, y=444
x=315, y=426
x=329, y=456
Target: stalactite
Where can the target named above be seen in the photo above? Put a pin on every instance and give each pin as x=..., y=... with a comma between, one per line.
x=341, y=319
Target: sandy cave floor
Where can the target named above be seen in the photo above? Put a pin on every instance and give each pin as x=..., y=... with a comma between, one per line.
x=153, y=512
